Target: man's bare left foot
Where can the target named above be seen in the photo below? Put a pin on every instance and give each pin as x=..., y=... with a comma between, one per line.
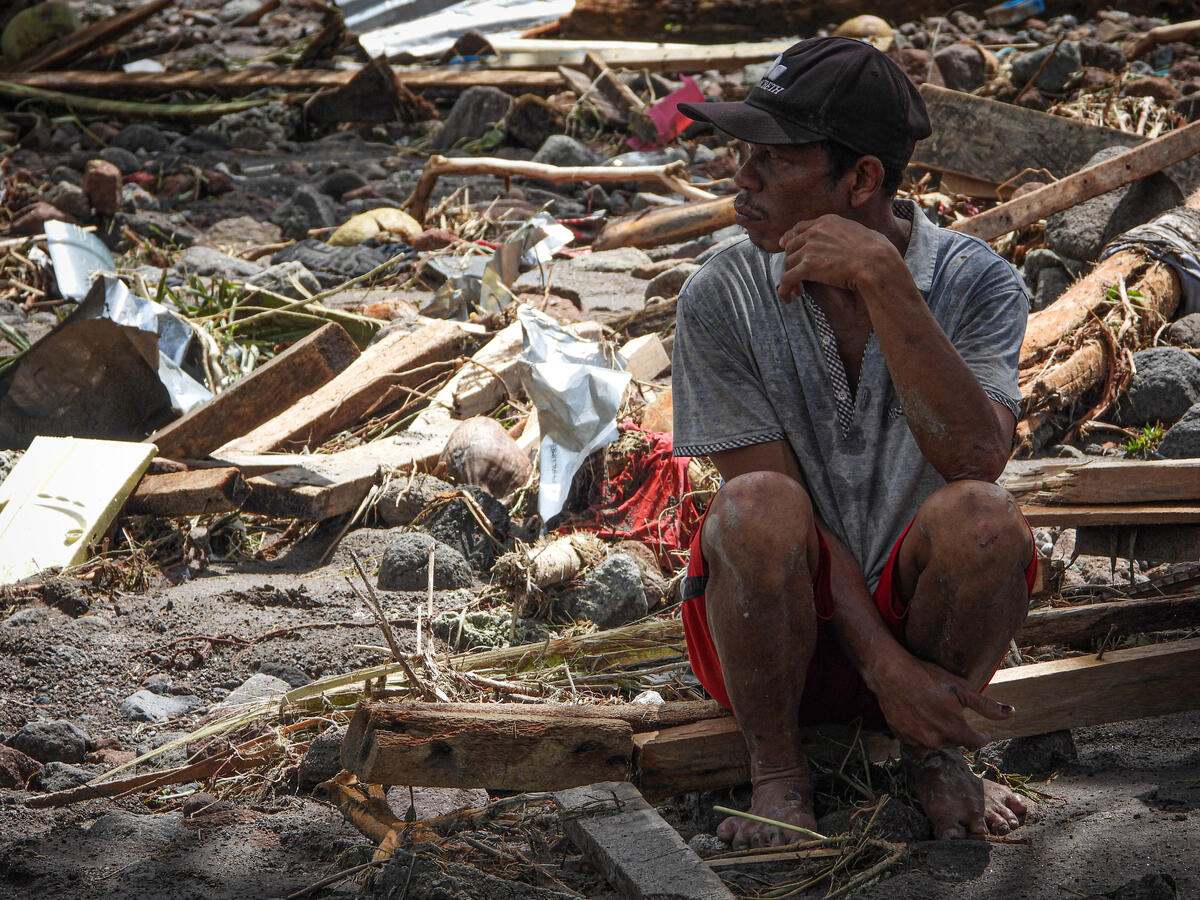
x=785, y=798
x=959, y=803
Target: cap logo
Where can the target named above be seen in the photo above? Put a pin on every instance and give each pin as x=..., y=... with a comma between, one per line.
x=777, y=70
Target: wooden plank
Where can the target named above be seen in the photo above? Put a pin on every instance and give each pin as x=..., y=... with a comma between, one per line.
x=1094, y=621
x=634, y=848
x=543, y=53
x=267, y=391
x=1155, y=542
x=73, y=46
x=195, y=492
x=1126, y=514
x=1125, y=684
x=1101, y=481
x=510, y=748
x=386, y=374
x=996, y=141
x=1135, y=163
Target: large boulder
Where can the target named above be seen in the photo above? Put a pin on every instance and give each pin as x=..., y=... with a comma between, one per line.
x=54, y=741
x=405, y=565
x=1182, y=440
x=611, y=594
x=1166, y=384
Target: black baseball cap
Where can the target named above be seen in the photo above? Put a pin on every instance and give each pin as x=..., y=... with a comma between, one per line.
x=834, y=88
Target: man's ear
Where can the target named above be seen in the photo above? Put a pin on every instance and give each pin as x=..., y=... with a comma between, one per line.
x=867, y=178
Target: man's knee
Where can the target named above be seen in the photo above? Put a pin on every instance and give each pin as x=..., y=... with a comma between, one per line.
x=979, y=522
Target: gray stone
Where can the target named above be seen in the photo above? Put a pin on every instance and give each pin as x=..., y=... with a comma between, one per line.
x=611, y=594
x=306, y=208
x=1101, y=55
x=334, y=265
x=28, y=615
x=59, y=776
x=962, y=67
x=1038, y=754
x=431, y=802
x=405, y=565
x=142, y=830
x=1081, y=231
x=70, y=595
x=138, y=137
x=259, y=686
x=121, y=158
x=237, y=9
x=1050, y=286
x=279, y=279
x=1165, y=385
x=1058, y=71
x=670, y=282
x=404, y=498
x=339, y=181
x=54, y=741
x=135, y=198
x=623, y=259
x=71, y=199
x=1182, y=440
x=157, y=226
x=1185, y=331
x=204, y=139
x=563, y=150
x=455, y=525
x=1036, y=261
x=323, y=759
x=144, y=706
x=294, y=676
x=208, y=261
x=476, y=112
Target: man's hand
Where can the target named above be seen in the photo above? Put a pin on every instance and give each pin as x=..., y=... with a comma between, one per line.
x=923, y=705
x=834, y=251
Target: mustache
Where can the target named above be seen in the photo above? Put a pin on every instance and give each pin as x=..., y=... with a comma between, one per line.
x=743, y=204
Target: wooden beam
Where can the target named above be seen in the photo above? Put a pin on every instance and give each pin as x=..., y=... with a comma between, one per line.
x=386, y=374
x=543, y=53
x=78, y=43
x=1102, y=481
x=635, y=849
x=195, y=492
x=1094, y=621
x=1135, y=163
x=1126, y=514
x=267, y=391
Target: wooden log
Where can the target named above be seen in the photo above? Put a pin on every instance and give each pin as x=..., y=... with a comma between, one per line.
x=656, y=227
x=76, y=44
x=634, y=848
x=1155, y=543
x=1080, y=624
x=267, y=391
x=1125, y=514
x=1125, y=684
x=196, y=492
x=510, y=748
x=1102, y=481
x=1135, y=163
x=544, y=53
x=385, y=374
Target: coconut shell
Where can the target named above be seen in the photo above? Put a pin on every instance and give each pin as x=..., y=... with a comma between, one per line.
x=481, y=452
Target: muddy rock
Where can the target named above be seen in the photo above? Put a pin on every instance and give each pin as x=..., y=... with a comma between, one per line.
x=52, y=741
x=340, y=181
x=59, y=776
x=121, y=158
x=405, y=565
x=1056, y=75
x=1166, y=385
x=67, y=594
x=476, y=112
x=293, y=676
x=1185, y=332
x=611, y=594
x=71, y=199
x=237, y=9
x=207, y=262
x=323, y=759
x=1051, y=283
x=26, y=616
x=1101, y=55
x=1037, y=754
x=434, y=239
x=144, y=706
x=670, y=282
x=962, y=67
x=139, y=137
x=1151, y=86
x=623, y=259
x=102, y=184
x=455, y=525
x=1182, y=440
x=33, y=218
x=134, y=197
x=403, y=498
x=306, y=208
x=279, y=278
x=532, y=120
x=562, y=150
x=16, y=768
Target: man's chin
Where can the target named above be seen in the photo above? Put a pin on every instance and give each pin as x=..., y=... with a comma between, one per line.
x=768, y=243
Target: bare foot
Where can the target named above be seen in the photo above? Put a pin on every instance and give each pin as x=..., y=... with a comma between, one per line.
x=785, y=798
x=958, y=802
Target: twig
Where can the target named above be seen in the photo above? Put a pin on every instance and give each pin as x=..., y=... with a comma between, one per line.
x=797, y=828
x=378, y=607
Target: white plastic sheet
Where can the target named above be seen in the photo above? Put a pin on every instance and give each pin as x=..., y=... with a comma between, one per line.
x=78, y=257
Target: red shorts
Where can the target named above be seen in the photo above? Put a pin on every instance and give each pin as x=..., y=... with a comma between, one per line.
x=834, y=692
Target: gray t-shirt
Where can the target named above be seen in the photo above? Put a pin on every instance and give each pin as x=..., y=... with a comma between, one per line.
x=749, y=369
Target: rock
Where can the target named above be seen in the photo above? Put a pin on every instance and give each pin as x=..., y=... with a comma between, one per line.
x=15, y=768
x=1038, y=754
x=1188, y=107
x=962, y=67
x=455, y=525
x=334, y=265
x=237, y=9
x=32, y=219
x=157, y=226
x=1151, y=86
x=1050, y=285
x=139, y=136
x=136, y=198
x=433, y=239
x=279, y=278
x=476, y=112
x=623, y=259
x=405, y=565
x=339, y=181
x=102, y=184
x=207, y=262
x=561, y=150
x=916, y=63
x=33, y=28
x=59, y=776
x=431, y=802
x=71, y=199
x=372, y=222
x=53, y=741
x=292, y=675
x=121, y=158
x=403, y=499
x=204, y=139
x=1184, y=332
x=70, y=595
x=1182, y=440
x=1036, y=261
x=27, y=616
x=260, y=686
x=143, y=706
x=1054, y=78
x=653, y=582
x=323, y=760
x=244, y=230
x=670, y=282
x=1102, y=55
x=1165, y=385
x=306, y=208
x=611, y=594
x=1081, y=231
x=532, y=120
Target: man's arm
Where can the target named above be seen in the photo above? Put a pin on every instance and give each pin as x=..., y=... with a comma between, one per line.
x=960, y=430
x=921, y=702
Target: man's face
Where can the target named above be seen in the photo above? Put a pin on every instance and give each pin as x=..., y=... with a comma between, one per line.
x=780, y=186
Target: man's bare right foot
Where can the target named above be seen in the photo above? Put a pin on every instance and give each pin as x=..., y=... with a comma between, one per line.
x=958, y=802
x=784, y=798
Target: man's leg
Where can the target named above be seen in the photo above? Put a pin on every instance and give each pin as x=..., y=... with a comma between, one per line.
x=760, y=543
x=962, y=569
